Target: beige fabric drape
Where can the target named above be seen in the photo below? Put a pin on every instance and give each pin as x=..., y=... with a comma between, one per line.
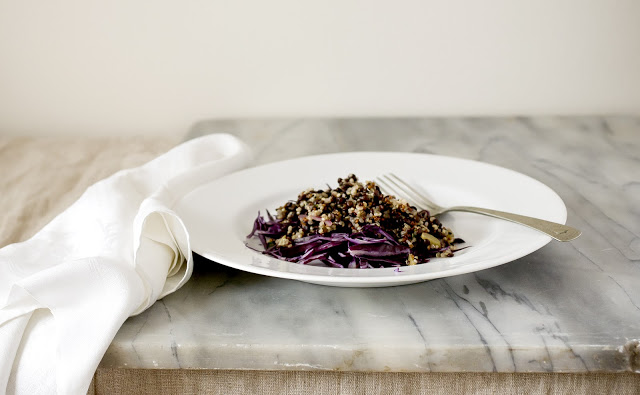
x=41, y=177
x=226, y=382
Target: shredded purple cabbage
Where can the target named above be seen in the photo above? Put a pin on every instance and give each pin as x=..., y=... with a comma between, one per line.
x=370, y=248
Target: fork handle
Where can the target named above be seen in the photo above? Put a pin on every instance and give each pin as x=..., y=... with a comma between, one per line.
x=557, y=231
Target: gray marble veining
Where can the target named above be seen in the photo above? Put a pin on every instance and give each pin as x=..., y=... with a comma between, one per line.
x=568, y=307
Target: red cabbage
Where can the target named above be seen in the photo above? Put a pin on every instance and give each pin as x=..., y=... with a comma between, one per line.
x=372, y=247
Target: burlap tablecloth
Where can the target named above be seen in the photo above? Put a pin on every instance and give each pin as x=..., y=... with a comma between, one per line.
x=40, y=177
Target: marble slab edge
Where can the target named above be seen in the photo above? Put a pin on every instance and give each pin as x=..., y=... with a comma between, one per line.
x=575, y=359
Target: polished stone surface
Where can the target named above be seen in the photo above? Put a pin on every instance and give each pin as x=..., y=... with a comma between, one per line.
x=568, y=307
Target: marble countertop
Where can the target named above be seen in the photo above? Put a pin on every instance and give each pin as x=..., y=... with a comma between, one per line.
x=568, y=307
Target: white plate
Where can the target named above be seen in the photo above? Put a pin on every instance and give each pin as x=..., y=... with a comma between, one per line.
x=219, y=214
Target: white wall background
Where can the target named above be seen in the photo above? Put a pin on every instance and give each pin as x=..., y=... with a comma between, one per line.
x=145, y=67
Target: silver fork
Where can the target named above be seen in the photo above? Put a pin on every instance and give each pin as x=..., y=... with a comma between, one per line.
x=559, y=232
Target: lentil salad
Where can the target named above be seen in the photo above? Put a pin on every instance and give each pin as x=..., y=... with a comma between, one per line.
x=354, y=225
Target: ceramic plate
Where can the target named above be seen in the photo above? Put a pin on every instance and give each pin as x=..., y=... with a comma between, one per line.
x=219, y=214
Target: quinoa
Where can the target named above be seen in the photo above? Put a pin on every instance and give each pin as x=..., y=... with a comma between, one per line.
x=354, y=205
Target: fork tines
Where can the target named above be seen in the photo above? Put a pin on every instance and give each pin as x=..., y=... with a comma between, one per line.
x=400, y=188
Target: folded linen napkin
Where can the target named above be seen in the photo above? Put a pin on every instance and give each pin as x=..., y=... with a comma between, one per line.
x=65, y=292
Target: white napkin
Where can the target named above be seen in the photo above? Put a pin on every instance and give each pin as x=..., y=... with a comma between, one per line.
x=112, y=254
